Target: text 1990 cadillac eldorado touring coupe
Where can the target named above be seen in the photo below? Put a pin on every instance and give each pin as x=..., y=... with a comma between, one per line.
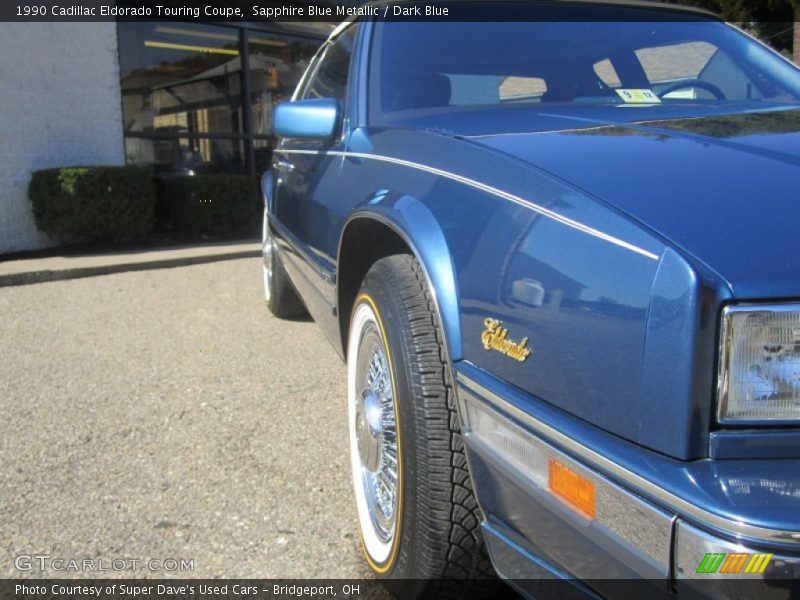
x=560, y=258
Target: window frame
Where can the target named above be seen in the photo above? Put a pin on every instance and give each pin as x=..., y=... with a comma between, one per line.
x=316, y=62
x=319, y=58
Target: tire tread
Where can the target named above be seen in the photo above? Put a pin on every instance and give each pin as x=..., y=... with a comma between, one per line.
x=455, y=550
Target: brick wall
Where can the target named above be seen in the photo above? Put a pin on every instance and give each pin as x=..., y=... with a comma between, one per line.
x=59, y=105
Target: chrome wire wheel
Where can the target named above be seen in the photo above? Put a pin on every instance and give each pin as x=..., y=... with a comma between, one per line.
x=266, y=241
x=279, y=292
x=374, y=443
x=419, y=521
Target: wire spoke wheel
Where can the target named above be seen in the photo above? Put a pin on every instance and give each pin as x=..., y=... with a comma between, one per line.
x=374, y=439
x=376, y=433
x=282, y=299
x=419, y=521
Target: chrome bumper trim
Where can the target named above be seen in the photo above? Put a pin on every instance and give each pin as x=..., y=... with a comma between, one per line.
x=638, y=483
x=701, y=555
x=635, y=524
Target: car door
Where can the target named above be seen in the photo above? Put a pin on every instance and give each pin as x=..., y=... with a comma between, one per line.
x=307, y=173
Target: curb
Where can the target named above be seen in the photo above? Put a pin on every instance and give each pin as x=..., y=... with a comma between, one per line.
x=46, y=275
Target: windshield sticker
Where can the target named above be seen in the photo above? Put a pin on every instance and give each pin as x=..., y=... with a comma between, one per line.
x=632, y=96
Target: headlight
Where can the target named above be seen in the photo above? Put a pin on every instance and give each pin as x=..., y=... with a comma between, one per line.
x=759, y=364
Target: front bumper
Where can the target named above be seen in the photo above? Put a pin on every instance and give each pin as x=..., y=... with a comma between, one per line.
x=644, y=528
x=709, y=565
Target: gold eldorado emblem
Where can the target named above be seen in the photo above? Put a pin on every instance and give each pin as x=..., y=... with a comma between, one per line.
x=496, y=338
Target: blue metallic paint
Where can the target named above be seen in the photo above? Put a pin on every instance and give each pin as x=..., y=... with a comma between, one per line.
x=417, y=226
x=623, y=343
x=267, y=187
x=678, y=362
x=605, y=288
x=761, y=492
x=682, y=175
x=754, y=443
x=315, y=119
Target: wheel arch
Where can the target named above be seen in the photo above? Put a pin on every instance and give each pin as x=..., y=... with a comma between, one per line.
x=404, y=226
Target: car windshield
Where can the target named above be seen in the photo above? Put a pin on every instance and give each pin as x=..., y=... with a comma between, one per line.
x=428, y=68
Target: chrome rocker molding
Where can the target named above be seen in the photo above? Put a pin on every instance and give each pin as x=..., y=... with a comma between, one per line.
x=638, y=484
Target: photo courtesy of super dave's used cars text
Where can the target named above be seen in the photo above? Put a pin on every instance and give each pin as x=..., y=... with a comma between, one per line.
x=556, y=256
x=182, y=589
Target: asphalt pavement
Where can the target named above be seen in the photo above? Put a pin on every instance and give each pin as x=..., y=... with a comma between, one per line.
x=58, y=264
x=165, y=415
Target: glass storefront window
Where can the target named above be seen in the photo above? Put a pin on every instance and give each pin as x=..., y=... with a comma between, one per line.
x=182, y=102
x=276, y=66
x=186, y=156
x=181, y=78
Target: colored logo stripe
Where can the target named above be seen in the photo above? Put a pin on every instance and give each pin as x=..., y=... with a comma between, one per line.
x=721, y=562
x=734, y=563
x=711, y=562
x=758, y=563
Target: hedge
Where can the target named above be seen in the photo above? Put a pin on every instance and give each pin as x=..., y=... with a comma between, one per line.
x=219, y=205
x=122, y=203
x=98, y=203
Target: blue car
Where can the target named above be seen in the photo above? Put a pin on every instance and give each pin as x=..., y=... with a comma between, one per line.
x=560, y=255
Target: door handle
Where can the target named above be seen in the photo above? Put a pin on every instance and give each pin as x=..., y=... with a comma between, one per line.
x=282, y=165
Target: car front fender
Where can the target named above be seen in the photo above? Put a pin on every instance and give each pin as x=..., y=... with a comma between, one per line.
x=414, y=223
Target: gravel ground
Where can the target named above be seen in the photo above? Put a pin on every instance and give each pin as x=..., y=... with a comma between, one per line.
x=166, y=414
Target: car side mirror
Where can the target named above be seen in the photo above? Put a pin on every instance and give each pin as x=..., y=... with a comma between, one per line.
x=309, y=119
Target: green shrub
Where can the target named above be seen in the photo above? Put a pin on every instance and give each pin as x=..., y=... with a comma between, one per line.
x=223, y=205
x=99, y=203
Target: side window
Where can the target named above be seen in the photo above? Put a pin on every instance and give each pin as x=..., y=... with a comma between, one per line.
x=330, y=78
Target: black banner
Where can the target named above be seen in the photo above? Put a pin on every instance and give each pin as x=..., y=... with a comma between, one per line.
x=347, y=589
x=180, y=589
x=240, y=11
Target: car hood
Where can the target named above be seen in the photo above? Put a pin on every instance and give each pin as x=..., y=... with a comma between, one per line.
x=721, y=187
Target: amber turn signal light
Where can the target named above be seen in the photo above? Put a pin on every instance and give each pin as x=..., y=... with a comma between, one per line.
x=575, y=490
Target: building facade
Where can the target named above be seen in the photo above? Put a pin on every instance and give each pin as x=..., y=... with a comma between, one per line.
x=59, y=106
x=796, y=48
x=170, y=94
